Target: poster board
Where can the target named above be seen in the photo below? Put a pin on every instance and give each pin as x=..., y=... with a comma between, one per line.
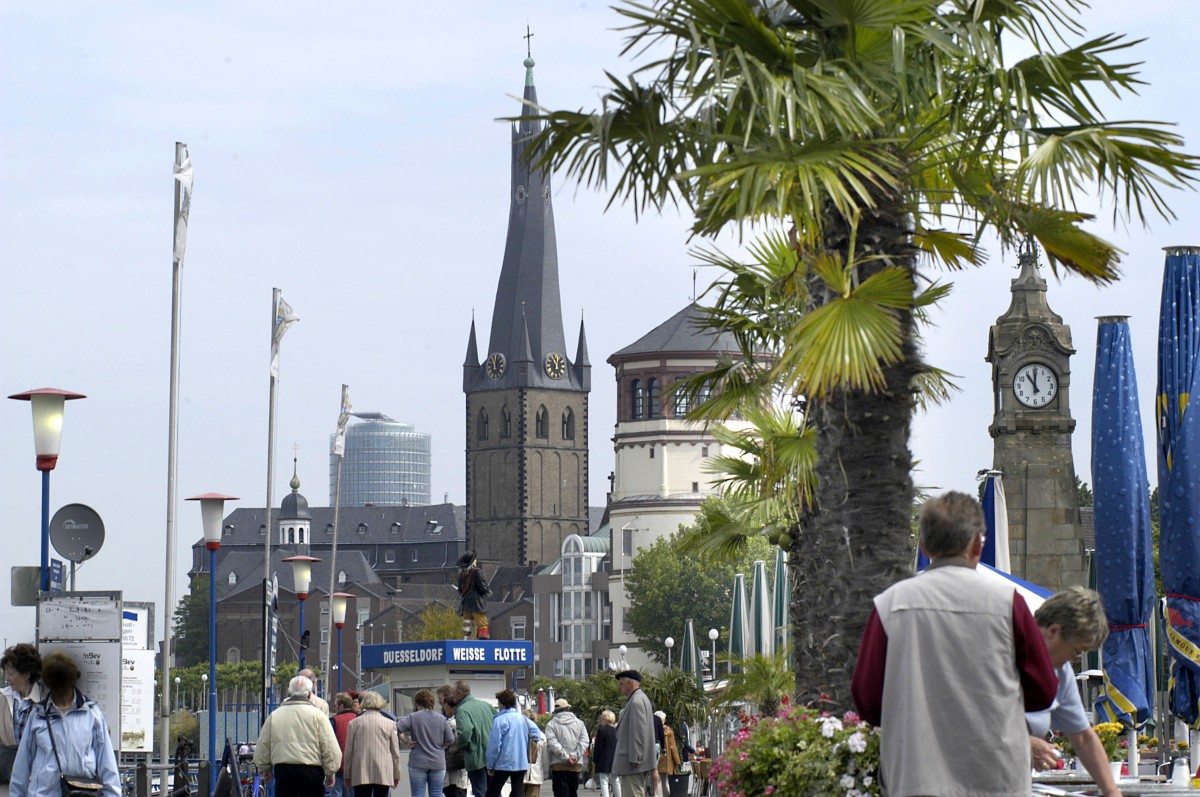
x=137, y=625
x=137, y=701
x=99, y=676
x=76, y=616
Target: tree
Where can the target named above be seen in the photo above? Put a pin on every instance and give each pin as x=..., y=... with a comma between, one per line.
x=435, y=622
x=1083, y=493
x=191, y=624
x=677, y=694
x=760, y=679
x=667, y=586
x=859, y=130
x=595, y=693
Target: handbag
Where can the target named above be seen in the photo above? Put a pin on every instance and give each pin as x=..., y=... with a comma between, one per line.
x=533, y=745
x=71, y=785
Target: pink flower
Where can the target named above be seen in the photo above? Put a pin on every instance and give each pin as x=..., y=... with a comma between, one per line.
x=851, y=718
x=769, y=790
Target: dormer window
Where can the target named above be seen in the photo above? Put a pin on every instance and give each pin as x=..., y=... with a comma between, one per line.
x=329, y=529
x=362, y=528
x=341, y=578
x=225, y=532
x=232, y=578
x=262, y=530
x=395, y=527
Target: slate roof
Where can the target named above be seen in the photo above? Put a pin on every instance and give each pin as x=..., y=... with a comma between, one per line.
x=679, y=334
x=432, y=523
x=248, y=568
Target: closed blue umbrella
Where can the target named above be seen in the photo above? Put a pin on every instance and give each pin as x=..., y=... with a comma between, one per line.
x=995, y=516
x=1124, y=557
x=1179, y=474
x=762, y=632
x=739, y=631
x=781, y=601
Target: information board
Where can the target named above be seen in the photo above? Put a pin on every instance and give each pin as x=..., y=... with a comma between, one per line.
x=137, y=625
x=80, y=615
x=99, y=666
x=137, y=701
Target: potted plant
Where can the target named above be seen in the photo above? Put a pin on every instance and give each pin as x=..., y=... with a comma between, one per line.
x=1115, y=747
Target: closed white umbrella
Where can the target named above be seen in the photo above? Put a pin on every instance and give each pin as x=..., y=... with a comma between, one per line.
x=762, y=631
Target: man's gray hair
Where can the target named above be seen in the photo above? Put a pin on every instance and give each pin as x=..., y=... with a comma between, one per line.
x=1080, y=614
x=300, y=686
x=949, y=524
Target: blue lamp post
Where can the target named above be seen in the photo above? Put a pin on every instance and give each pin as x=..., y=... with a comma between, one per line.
x=47, y=404
x=212, y=509
x=302, y=577
x=339, y=619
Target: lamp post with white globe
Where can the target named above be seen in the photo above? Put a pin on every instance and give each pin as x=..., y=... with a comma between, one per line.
x=712, y=635
x=670, y=643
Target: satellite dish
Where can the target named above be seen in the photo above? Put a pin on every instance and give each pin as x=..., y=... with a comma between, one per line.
x=77, y=532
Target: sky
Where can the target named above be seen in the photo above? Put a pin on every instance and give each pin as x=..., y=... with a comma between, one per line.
x=352, y=157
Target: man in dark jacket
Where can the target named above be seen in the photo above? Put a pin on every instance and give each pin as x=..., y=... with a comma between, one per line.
x=473, y=592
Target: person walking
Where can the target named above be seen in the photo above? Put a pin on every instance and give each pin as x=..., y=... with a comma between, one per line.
x=297, y=747
x=536, y=774
x=940, y=651
x=427, y=734
x=508, y=746
x=22, y=665
x=634, y=761
x=346, y=711
x=64, y=735
x=472, y=734
x=603, y=750
x=668, y=760
x=455, y=784
x=313, y=697
x=566, y=744
x=372, y=764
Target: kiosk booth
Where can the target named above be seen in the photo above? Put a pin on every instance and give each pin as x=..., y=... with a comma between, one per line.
x=488, y=665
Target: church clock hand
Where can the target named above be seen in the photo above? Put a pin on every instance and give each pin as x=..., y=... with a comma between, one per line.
x=1033, y=379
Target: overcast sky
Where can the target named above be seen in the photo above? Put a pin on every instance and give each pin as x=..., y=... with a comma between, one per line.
x=350, y=156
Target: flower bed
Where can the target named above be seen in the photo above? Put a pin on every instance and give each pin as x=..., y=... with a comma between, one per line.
x=800, y=752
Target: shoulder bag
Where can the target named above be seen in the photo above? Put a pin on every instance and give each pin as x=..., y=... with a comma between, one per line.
x=533, y=745
x=71, y=785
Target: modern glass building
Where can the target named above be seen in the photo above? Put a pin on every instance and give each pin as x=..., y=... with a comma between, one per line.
x=387, y=463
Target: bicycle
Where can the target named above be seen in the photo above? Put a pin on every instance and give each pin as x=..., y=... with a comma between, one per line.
x=248, y=774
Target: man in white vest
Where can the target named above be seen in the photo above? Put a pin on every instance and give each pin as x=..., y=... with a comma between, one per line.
x=949, y=663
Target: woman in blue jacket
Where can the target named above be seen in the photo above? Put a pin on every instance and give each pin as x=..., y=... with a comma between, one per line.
x=80, y=738
x=508, y=747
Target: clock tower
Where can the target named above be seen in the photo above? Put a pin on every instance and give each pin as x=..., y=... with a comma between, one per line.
x=1030, y=350
x=527, y=402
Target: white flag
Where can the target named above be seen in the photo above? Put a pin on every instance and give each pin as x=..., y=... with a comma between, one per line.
x=339, y=438
x=183, y=175
x=284, y=318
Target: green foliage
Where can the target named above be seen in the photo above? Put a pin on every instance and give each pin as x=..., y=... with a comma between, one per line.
x=184, y=724
x=677, y=694
x=667, y=586
x=589, y=697
x=191, y=624
x=1083, y=493
x=800, y=752
x=761, y=680
x=435, y=622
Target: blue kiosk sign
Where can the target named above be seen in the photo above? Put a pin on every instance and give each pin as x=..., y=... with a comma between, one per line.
x=449, y=652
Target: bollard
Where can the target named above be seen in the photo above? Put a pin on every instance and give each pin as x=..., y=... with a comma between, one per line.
x=204, y=778
x=141, y=780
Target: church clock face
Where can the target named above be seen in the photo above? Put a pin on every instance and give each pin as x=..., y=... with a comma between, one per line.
x=494, y=365
x=556, y=366
x=1035, y=385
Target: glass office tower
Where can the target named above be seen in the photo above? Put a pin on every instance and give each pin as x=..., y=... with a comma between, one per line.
x=387, y=463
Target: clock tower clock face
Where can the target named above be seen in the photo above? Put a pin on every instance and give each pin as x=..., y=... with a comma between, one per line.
x=556, y=366
x=1035, y=385
x=494, y=365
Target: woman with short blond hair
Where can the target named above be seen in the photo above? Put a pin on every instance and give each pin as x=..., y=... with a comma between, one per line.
x=372, y=763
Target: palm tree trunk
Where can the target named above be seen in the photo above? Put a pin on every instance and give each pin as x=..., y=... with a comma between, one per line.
x=858, y=540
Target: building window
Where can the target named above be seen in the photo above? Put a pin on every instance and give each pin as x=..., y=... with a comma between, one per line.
x=362, y=528
x=505, y=422
x=395, y=527
x=651, y=452
x=232, y=578
x=627, y=541
x=568, y=424
x=262, y=530
x=518, y=628
x=329, y=529
x=233, y=656
x=695, y=487
x=543, y=424
x=704, y=452
x=414, y=554
x=626, y=626
x=637, y=395
x=655, y=403
x=341, y=577
x=300, y=535
x=291, y=536
x=481, y=426
x=681, y=399
x=389, y=556
x=225, y=532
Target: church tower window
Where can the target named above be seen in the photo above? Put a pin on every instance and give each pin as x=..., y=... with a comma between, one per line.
x=481, y=428
x=655, y=402
x=638, y=396
x=543, y=424
x=505, y=423
x=568, y=424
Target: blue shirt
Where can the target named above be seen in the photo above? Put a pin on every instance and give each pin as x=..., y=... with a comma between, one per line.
x=508, y=747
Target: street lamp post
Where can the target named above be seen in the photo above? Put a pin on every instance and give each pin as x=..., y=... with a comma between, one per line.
x=670, y=643
x=212, y=509
x=339, y=619
x=204, y=698
x=47, y=404
x=178, y=697
x=302, y=576
x=712, y=635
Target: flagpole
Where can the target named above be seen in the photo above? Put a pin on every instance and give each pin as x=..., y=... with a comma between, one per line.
x=339, y=448
x=268, y=677
x=164, y=712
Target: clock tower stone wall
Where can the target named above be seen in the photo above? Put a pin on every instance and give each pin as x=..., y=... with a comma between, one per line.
x=1030, y=348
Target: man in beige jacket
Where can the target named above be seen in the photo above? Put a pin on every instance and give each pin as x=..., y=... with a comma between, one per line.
x=297, y=745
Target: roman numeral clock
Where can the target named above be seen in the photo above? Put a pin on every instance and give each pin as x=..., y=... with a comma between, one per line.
x=1029, y=348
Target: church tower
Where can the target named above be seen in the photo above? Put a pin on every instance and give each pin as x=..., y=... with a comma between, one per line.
x=527, y=423
x=1030, y=350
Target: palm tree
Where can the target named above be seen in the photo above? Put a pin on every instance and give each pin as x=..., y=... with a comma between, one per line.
x=862, y=129
x=763, y=680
